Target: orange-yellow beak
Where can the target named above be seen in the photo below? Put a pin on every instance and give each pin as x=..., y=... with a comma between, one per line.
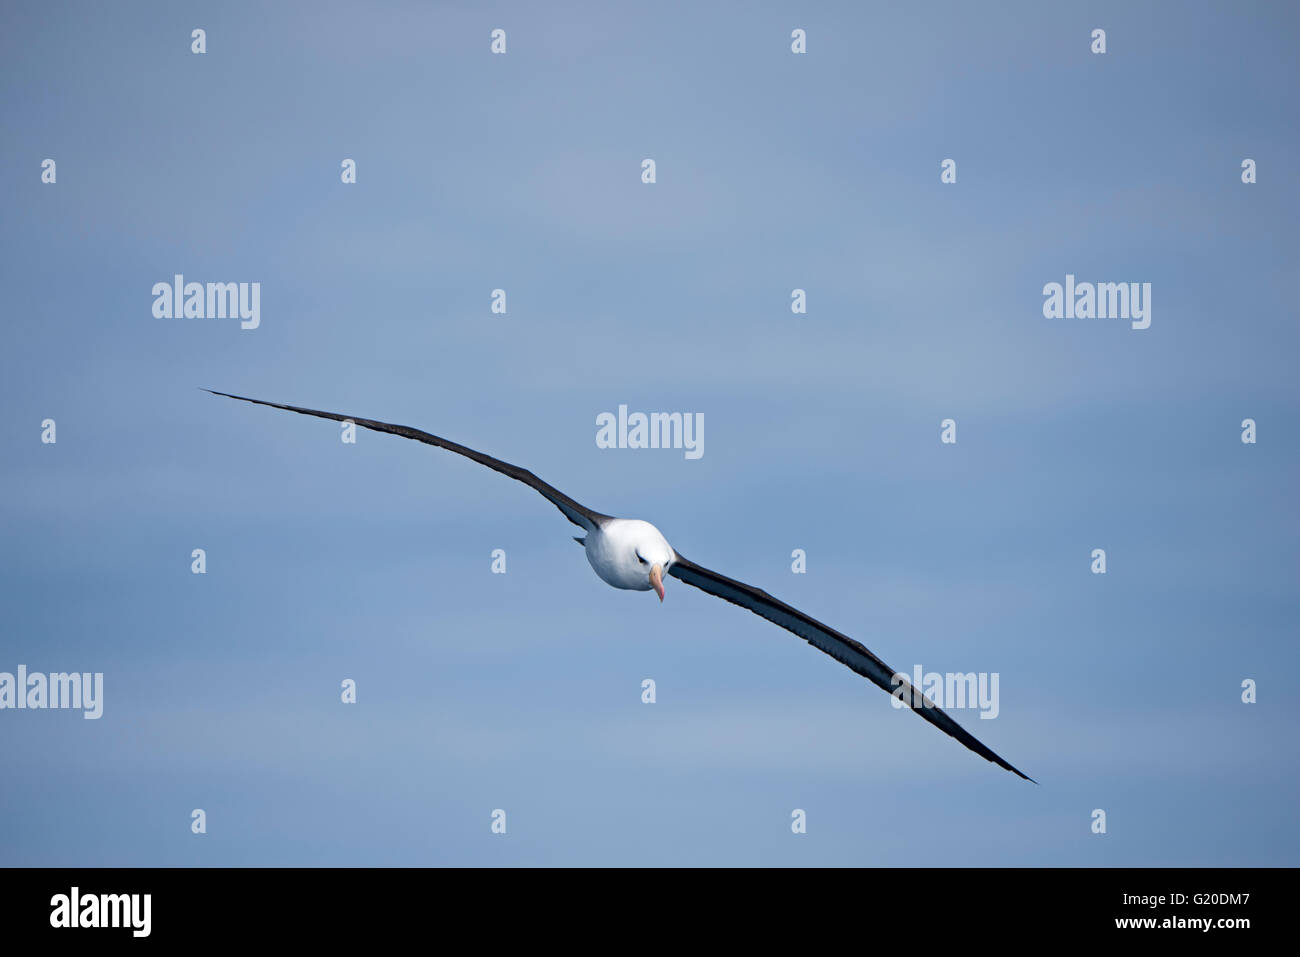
x=657, y=580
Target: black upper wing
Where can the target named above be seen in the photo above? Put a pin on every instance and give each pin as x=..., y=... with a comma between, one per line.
x=578, y=514
x=840, y=647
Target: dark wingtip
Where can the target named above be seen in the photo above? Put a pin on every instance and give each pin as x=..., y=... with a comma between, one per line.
x=1007, y=765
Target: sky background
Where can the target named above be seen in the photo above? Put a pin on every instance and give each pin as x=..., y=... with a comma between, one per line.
x=522, y=691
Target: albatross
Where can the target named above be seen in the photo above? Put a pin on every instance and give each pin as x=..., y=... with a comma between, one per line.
x=634, y=555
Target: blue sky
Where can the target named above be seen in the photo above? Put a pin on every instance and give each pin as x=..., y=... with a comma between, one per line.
x=775, y=171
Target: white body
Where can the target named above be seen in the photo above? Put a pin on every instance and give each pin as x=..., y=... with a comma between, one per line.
x=624, y=551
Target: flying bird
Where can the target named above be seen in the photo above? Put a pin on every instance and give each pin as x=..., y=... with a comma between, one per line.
x=634, y=555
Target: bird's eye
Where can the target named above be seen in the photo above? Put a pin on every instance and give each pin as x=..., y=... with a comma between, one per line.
x=639, y=558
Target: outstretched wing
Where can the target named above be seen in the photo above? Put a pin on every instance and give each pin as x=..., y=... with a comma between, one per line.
x=578, y=514
x=840, y=647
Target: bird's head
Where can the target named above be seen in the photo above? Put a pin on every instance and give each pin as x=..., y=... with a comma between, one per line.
x=654, y=555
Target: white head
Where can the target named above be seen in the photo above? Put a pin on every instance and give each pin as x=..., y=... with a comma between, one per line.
x=632, y=554
x=654, y=554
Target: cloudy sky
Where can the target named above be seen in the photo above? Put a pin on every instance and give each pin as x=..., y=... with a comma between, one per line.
x=775, y=171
